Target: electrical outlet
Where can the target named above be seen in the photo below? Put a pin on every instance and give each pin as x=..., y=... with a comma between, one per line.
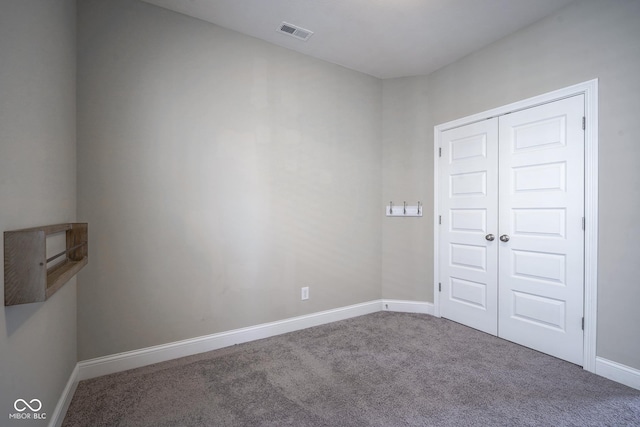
x=304, y=294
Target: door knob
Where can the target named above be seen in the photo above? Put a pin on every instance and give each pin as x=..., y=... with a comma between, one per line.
x=490, y=237
x=504, y=238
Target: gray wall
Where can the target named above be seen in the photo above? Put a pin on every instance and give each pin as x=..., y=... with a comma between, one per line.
x=37, y=187
x=219, y=174
x=407, y=256
x=586, y=40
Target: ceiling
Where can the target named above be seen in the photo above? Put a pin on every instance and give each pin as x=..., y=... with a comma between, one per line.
x=383, y=38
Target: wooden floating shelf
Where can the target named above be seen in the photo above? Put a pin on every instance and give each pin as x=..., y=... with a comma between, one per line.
x=26, y=276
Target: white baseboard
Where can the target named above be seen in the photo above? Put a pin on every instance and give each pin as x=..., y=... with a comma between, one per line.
x=618, y=372
x=135, y=359
x=65, y=399
x=407, y=306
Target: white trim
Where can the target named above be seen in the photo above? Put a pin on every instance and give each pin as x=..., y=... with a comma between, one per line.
x=618, y=372
x=591, y=225
x=437, y=131
x=590, y=91
x=403, y=306
x=60, y=410
x=146, y=356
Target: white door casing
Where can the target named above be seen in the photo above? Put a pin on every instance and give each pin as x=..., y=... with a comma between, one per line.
x=469, y=201
x=589, y=91
x=541, y=206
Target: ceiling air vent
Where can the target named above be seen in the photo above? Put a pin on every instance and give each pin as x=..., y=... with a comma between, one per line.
x=295, y=31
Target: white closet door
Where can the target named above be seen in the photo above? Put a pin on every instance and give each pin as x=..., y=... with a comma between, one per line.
x=541, y=266
x=469, y=201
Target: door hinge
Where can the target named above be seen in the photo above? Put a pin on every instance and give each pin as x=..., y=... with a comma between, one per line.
x=439, y=287
x=584, y=123
x=439, y=151
x=583, y=323
x=584, y=223
x=440, y=219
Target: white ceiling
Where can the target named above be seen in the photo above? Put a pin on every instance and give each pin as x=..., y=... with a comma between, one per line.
x=384, y=38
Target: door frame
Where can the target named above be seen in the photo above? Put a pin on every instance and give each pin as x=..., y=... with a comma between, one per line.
x=590, y=91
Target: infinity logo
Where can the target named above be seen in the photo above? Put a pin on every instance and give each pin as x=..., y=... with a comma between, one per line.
x=26, y=405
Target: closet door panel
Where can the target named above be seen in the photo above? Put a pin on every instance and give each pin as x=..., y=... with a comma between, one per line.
x=541, y=201
x=468, y=201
